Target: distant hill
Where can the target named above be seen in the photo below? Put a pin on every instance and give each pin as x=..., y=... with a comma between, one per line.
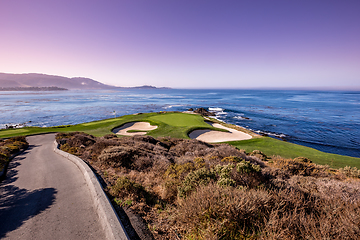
x=43, y=80
x=32, y=89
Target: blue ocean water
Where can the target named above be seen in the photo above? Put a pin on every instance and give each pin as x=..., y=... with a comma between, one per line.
x=325, y=120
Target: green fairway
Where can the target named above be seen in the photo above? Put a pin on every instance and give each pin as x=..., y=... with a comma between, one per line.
x=272, y=147
x=179, y=125
x=170, y=124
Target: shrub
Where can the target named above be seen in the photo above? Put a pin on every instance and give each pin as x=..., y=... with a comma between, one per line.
x=300, y=166
x=350, y=171
x=247, y=167
x=178, y=171
x=11, y=146
x=213, y=212
x=231, y=159
x=194, y=179
x=224, y=175
x=3, y=159
x=199, y=162
x=124, y=188
x=169, y=190
x=191, y=147
x=222, y=151
x=110, y=136
x=260, y=155
x=224, y=170
x=17, y=139
x=67, y=148
x=299, y=215
x=302, y=159
x=117, y=156
x=226, y=182
x=101, y=144
x=248, y=174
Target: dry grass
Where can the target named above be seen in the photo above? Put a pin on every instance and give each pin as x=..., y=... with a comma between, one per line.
x=193, y=190
x=214, y=212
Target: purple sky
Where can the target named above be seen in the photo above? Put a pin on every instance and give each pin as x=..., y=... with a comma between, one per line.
x=185, y=43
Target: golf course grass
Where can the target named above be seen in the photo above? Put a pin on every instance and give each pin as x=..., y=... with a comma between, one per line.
x=170, y=124
x=272, y=147
x=179, y=125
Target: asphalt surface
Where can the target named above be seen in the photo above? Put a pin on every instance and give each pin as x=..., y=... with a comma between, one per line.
x=45, y=196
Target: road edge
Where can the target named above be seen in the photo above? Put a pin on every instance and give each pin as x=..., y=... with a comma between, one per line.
x=109, y=220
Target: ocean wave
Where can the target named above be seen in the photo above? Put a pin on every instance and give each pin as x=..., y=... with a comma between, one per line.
x=171, y=106
x=218, y=111
x=221, y=113
x=278, y=135
x=242, y=118
x=14, y=125
x=215, y=109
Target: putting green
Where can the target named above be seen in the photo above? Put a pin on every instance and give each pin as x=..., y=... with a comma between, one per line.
x=180, y=119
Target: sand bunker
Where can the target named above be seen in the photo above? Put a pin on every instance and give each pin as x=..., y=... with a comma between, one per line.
x=139, y=126
x=212, y=136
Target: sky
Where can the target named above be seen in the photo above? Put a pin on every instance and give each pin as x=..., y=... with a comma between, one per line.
x=186, y=43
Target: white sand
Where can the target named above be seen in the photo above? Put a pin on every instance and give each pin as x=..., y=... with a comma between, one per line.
x=212, y=136
x=140, y=126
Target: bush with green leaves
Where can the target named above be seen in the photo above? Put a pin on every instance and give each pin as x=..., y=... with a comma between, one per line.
x=247, y=167
x=231, y=159
x=177, y=171
x=224, y=175
x=129, y=189
x=194, y=179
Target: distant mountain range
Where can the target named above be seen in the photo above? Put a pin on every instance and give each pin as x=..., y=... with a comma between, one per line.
x=36, y=80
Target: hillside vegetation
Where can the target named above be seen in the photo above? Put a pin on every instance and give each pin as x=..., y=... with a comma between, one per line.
x=187, y=189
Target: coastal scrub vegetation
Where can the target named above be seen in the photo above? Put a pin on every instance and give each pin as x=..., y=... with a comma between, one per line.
x=188, y=189
x=10, y=147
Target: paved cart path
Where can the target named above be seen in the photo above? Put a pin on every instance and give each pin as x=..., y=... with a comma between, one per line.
x=45, y=196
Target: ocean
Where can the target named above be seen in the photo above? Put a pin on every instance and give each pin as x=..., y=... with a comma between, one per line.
x=325, y=120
